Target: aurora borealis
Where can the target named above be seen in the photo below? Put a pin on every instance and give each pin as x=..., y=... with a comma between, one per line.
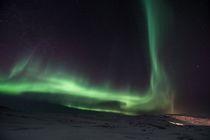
x=28, y=77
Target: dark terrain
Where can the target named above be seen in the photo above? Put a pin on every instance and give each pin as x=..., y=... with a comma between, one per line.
x=80, y=125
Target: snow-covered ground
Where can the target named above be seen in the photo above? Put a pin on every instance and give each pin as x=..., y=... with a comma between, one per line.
x=95, y=126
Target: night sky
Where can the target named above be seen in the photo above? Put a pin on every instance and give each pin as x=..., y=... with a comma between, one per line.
x=106, y=41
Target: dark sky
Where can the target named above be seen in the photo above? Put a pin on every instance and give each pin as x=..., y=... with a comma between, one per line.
x=188, y=54
x=106, y=40
x=98, y=38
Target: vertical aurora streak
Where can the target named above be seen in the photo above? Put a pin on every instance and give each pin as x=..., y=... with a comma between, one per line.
x=81, y=95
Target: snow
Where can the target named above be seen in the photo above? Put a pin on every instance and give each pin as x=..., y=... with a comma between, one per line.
x=95, y=126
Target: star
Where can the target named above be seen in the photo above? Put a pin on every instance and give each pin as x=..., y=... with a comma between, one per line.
x=197, y=66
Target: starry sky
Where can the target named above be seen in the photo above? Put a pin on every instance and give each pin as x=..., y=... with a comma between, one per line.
x=106, y=41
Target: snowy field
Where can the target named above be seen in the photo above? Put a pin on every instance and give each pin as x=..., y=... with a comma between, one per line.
x=95, y=126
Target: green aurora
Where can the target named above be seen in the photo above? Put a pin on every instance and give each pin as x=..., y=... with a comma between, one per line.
x=25, y=78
